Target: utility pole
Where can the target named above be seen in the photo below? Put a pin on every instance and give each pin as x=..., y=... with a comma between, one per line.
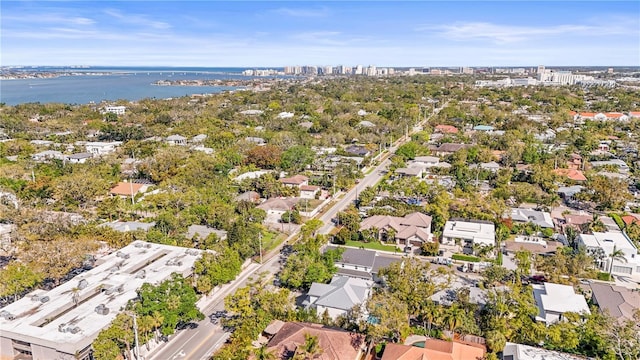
x=260, y=241
x=131, y=187
x=135, y=333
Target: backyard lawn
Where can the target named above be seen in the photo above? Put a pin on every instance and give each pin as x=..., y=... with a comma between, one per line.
x=372, y=245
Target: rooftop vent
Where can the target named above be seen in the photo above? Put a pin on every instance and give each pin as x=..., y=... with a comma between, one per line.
x=138, y=244
x=83, y=284
x=102, y=309
x=174, y=262
x=42, y=299
x=192, y=252
x=141, y=274
x=113, y=289
x=122, y=255
x=6, y=315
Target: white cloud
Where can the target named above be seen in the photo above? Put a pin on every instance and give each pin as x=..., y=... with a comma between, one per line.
x=135, y=19
x=321, y=12
x=503, y=34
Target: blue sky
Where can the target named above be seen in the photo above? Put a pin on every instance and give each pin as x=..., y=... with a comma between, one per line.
x=265, y=33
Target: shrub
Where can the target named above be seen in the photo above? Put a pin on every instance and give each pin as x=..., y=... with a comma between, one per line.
x=463, y=257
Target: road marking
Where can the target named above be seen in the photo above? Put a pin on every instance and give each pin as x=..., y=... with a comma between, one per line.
x=213, y=333
x=181, y=354
x=181, y=349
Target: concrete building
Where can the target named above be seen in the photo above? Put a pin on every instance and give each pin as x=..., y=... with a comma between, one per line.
x=48, y=325
x=514, y=351
x=469, y=233
x=554, y=300
x=98, y=148
x=604, y=243
x=118, y=110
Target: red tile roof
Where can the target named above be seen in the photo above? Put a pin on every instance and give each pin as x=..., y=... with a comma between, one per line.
x=434, y=350
x=613, y=115
x=587, y=114
x=630, y=219
x=571, y=174
x=126, y=189
x=634, y=113
x=336, y=344
x=447, y=129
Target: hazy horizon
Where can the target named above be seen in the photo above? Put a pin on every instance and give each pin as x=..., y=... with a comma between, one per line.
x=276, y=34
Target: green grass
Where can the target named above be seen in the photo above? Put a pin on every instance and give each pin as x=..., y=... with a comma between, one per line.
x=372, y=245
x=462, y=257
x=270, y=240
x=618, y=220
x=603, y=276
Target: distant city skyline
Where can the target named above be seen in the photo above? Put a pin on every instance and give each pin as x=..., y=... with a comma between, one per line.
x=277, y=34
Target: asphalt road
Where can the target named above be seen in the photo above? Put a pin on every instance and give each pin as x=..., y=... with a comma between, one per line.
x=202, y=341
x=199, y=343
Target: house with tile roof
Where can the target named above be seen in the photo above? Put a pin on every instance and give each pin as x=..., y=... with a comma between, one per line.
x=435, y=349
x=619, y=302
x=295, y=181
x=336, y=344
x=446, y=129
x=339, y=296
x=411, y=230
x=571, y=174
x=128, y=189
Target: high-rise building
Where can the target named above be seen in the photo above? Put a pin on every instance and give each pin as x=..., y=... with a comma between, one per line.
x=358, y=70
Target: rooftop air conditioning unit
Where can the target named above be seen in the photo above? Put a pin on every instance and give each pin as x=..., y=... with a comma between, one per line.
x=83, y=284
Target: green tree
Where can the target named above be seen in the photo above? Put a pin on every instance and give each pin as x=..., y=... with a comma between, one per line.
x=174, y=299
x=296, y=158
x=263, y=353
x=310, y=349
x=17, y=278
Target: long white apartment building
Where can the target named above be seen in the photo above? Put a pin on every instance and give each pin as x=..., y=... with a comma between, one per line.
x=48, y=325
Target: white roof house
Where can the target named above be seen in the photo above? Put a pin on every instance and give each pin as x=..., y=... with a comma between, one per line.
x=606, y=241
x=339, y=296
x=251, y=112
x=176, y=140
x=553, y=300
x=118, y=110
x=514, y=351
x=620, y=164
x=49, y=325
x=469, y=232
x=47, y=154
x=98, y=148
x=540, y=218
x=285, y=115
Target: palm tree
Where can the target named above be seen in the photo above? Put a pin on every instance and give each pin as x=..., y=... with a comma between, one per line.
x=453, y=318
x=75, y=295
x=310, y=349
x=263, y=353
x=616, y=254
x=158, y=320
